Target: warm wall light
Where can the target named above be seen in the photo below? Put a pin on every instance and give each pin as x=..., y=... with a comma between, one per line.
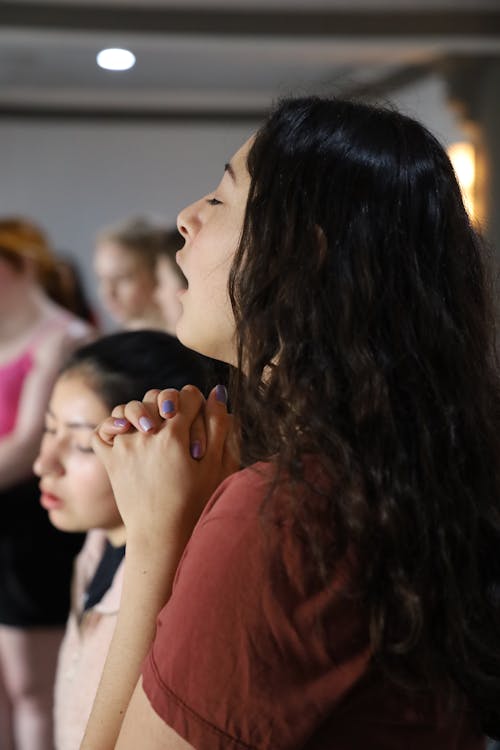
x=463, y=158
x=116, y=59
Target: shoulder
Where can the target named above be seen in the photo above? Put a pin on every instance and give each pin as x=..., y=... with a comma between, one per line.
x=252, y=526
x=77, y=329
x=62, y=333
x=241, y=493
x=261, y=490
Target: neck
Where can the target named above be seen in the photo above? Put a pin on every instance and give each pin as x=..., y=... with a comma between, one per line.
x=150, y=319
x=117, y=536
x=23, y=309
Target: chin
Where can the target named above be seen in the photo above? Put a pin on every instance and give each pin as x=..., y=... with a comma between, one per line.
x=191, y=342
x=65, y=524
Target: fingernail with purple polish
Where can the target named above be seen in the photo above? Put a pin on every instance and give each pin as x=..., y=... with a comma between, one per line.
x=221, y=393
x=145, y=424
x=167, y=407
x=120, y=422
x=196, y=449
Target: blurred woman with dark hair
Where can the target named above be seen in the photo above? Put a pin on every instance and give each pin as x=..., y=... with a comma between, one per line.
x=78, y=497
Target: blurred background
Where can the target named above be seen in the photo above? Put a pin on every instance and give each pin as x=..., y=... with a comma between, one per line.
x=82, y=147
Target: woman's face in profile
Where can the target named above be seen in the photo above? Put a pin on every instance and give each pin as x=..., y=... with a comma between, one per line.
x=76, y=491
x=212, y=230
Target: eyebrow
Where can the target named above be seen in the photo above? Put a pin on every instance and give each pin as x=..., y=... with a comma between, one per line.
x=230, y=170
x=74, y=425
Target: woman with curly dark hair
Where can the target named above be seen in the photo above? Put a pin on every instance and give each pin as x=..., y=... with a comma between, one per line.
x=341, y=590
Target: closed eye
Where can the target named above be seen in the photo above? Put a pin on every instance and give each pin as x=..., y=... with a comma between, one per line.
x=213, y=202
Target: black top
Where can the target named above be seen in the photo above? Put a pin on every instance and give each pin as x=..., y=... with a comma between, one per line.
x=36, y=561
x=103, y=577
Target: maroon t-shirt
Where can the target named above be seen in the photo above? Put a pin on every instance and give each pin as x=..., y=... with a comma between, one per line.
x=246, y=655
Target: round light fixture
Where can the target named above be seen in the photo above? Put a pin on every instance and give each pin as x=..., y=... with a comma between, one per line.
x=116, y=59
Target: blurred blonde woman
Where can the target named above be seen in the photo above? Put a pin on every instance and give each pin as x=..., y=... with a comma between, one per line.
x=36, y=335
x=124, y=263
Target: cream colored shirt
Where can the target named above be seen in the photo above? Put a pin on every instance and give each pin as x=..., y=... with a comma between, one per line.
x=84, y=647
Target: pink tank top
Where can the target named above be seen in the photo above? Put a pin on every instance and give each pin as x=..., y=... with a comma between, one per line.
x=14, y=373
x=12, y=377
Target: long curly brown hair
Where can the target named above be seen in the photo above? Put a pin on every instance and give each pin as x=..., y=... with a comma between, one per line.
x=366, y=336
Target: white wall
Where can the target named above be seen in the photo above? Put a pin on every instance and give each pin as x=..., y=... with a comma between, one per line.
x=426, y=101
x=75, y=177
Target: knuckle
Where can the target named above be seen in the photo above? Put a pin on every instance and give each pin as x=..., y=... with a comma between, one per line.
x=190, y=387
x=192, y=391
x=133, y=407
x=151, y=394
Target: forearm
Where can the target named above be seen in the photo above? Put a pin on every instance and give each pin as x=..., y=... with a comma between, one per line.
x=149, y=574
x=159, y=523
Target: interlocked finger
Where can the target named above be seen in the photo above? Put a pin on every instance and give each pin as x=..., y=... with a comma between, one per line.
x=168, y=402
x=142, y=415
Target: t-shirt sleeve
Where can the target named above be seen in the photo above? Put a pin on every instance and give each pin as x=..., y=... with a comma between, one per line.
x=243, y=653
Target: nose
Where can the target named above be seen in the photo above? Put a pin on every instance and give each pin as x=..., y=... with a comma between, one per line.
x=108, y=289
x=48, y=460
x=188, y=220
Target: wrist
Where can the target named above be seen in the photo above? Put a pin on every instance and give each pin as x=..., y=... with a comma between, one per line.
x=155, y=549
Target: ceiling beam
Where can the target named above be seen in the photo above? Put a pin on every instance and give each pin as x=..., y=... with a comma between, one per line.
x=125, y=116
x=257, y=22
x=379, y=88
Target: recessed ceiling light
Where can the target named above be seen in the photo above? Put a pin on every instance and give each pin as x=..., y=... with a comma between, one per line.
x=115, y=59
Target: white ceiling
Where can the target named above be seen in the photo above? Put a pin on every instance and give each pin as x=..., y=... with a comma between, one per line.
x=48, y=50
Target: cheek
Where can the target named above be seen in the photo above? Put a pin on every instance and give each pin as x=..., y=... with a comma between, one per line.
x=96, y=474
x=88, y=477
x=168, y=286
x=94, y=501
x=140, y=289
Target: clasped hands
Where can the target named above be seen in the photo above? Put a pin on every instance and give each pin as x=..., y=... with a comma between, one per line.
x=165, y=455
